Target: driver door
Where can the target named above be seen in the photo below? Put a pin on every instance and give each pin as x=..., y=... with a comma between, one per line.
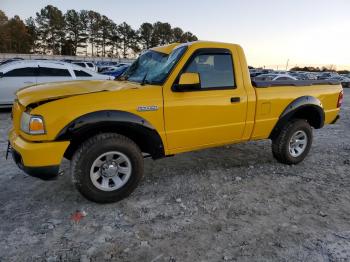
x=213, y=114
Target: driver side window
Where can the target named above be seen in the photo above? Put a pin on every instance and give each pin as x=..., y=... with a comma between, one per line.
x=215, y=70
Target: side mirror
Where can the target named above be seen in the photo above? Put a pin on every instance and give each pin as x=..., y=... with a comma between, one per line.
x=1, y=74
x=188, y=81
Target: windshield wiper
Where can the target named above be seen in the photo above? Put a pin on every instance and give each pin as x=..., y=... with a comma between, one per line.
x=144, y=81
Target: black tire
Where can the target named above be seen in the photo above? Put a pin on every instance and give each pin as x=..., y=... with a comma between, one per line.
x=280, y=144
x=89, y=151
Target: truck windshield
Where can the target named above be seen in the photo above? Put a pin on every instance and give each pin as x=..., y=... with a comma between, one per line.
x=153, y=67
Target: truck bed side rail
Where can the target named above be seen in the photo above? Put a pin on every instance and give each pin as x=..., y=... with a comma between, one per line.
x=265, y=84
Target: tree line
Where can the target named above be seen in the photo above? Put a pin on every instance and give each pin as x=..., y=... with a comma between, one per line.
x=83, y=32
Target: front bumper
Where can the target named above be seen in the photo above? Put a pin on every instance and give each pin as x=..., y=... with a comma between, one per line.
x=37, y=159
x=43, y=172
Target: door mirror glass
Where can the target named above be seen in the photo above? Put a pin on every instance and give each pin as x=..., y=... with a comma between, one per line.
x=188, y=81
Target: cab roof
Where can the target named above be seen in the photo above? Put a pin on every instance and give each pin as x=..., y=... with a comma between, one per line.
x=167, y=49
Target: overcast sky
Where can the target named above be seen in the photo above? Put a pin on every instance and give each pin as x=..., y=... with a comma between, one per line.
x=270, y=31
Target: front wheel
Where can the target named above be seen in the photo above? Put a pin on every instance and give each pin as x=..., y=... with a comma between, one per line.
x=293, y=143
x=107, y=167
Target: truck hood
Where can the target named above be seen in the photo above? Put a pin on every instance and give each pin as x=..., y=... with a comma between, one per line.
x=53, y=91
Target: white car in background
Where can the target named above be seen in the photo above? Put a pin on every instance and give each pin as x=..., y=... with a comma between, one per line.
x=88, y=65
x=18, y=74
x=274, y=77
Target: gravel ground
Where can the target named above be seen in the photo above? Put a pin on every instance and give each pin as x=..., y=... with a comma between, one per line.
x=234, y=203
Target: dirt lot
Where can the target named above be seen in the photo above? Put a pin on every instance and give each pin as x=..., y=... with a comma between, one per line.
x=233, y=203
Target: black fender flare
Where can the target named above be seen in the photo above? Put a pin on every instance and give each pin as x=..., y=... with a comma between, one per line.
x=126, y=123
x=298, y=107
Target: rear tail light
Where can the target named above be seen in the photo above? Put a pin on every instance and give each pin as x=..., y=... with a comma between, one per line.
x=340, y=99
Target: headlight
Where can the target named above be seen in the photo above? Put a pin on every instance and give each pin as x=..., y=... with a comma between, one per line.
x=33, y=125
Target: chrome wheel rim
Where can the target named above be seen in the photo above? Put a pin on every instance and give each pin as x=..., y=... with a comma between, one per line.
x=110, y=171
x=298, y=143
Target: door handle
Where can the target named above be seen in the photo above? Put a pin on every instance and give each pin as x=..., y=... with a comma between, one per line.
x=29, y=82
x=235, y=99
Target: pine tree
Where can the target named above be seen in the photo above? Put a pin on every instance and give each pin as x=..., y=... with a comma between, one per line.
x=33, y=33
x=51, y=29
x=177, y=34
x=19, y=38
x=145, y=35
x=162, y=34
x=75, y=31
x=94, y=20
x=128, y=39
x=3, y=32
x=106, y=27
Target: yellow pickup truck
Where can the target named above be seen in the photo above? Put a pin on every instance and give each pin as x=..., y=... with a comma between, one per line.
x=173, y=99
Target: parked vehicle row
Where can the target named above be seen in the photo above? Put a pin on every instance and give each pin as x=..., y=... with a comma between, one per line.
x=275, y=75
x=88, y=65
x=109, y=68
x=303, y=75
x=113, y=69
x=101, y=64
x=22, y=73
x=345, y=81
x=102, y=69
x=98, y=66
x=18, y=73
x=116, y=71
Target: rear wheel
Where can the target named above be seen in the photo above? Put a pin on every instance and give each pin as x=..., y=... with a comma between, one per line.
x=293, y=143
x=107, y=167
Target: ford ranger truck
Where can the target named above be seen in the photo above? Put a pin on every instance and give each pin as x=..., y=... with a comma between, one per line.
x=173, y=99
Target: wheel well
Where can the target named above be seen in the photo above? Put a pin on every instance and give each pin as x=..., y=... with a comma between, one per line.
x=314, y=115
x=147, y=140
